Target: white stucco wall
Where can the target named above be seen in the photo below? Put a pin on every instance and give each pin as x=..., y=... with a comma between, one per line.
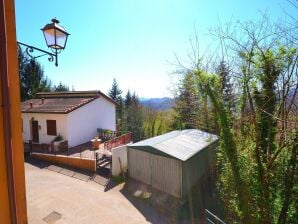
x=61, y=124
x=119, y=152
x=84, y=121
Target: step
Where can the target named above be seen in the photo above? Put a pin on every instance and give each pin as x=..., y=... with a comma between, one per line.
x=105, y=164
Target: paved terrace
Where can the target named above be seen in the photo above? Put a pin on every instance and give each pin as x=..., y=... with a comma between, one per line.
x=62, y=197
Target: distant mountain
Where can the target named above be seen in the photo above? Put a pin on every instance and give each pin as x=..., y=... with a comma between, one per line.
x=158, y=103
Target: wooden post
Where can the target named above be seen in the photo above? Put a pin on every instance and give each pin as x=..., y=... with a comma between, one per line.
x=12, y=174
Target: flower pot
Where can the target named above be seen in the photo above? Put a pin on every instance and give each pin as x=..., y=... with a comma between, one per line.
x=95, y=143
x=56, y=145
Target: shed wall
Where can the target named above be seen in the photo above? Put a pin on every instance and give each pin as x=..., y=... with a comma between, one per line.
x=166, y=174
x=139, y=165
x=197, y=166
x=160, y=172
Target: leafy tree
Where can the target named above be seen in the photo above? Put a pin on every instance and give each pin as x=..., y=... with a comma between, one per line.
x=128, y=99
x=61, y=88
x=187, y=104
x=193, y=108
x=156, y=122
x=257, y=157
x=133, y=121
x=32, y=78
x=210, y=85
x=115, y=93
x=226, y=85
x=254, y=160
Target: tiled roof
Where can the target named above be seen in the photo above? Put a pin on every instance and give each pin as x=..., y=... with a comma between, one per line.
x=61, y=102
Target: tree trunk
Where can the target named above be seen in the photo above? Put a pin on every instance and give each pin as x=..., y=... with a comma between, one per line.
x=228, y=141
x=289, y=181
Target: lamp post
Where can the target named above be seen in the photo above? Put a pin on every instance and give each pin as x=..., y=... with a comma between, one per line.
x=56, y=39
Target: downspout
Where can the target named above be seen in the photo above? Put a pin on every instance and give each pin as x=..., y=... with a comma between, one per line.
x=5, y=106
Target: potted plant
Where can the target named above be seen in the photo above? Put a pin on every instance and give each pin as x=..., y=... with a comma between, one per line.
x=95, y=142
x=57, y=140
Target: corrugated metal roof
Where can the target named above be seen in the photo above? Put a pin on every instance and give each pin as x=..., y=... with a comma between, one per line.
x=179, y=144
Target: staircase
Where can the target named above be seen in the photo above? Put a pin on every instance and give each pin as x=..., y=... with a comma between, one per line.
x=103, y=165
x=104, y=162
x=103, y=169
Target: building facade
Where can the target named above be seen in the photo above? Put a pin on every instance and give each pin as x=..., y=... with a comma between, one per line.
x=75, y=116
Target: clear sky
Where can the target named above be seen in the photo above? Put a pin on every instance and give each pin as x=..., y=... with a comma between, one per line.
x=133, y=41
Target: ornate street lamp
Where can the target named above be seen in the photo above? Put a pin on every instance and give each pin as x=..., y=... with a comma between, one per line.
x=56, y=39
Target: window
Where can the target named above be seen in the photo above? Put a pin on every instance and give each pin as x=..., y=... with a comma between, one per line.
x=51, y=127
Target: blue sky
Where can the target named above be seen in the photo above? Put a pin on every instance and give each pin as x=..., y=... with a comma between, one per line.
x=133, y=41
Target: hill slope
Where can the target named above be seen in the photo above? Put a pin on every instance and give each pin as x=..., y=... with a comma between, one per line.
x=158, y=103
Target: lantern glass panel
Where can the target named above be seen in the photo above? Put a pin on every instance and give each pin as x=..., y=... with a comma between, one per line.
x=60, y=39
x=50, y=38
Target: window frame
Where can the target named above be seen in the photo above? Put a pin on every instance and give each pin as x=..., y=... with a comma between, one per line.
x=51, y=127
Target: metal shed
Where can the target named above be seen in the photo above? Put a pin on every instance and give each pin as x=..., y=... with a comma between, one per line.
x=173, y=162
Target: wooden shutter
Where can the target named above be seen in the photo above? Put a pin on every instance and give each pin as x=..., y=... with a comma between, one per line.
x=51, y=127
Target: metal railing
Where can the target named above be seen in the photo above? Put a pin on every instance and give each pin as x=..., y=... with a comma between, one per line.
x=118, y=141
x=82, y=151
x=78, y=152
x=212, y=218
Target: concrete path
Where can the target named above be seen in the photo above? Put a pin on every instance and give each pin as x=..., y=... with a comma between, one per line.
x=56, y=198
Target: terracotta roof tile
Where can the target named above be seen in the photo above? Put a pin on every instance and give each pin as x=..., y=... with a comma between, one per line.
x=61, y=102
x=54, y=105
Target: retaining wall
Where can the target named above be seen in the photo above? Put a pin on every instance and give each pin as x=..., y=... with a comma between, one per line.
x=81, y=163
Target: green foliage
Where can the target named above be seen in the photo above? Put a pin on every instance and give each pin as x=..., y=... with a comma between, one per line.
x=226, y=86
x=210, y=84
x=192, y=107
x=58, y=138
x=157, y=122
x=256, y=163
x=187, y=103
x=115, y=93
x=32, y=78
x=61, y=88
x=133, y=116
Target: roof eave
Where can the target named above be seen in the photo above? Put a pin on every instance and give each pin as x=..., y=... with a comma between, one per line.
x=140, y=147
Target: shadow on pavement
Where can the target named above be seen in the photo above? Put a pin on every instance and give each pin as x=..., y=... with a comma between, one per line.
x=157, y=207
x=111, y=184
x=37, y=163
x=83, y=175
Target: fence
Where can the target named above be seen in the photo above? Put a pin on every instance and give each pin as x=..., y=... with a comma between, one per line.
x=82, y=151
x=118, y=141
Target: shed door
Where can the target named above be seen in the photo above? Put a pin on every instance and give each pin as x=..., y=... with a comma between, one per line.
x=139, y=165
x=166, y=174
